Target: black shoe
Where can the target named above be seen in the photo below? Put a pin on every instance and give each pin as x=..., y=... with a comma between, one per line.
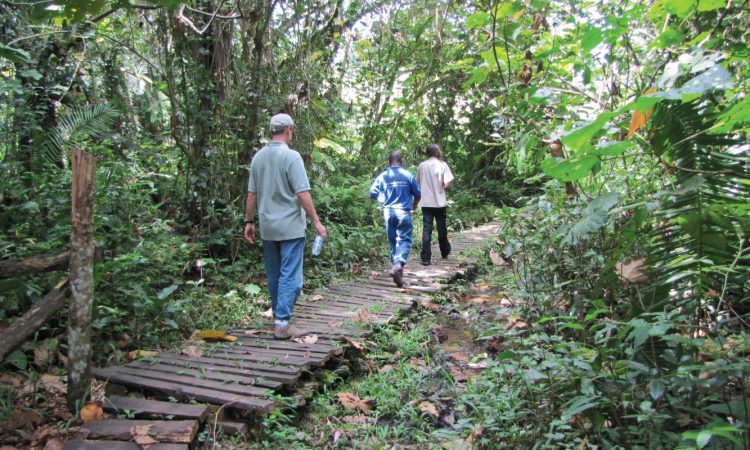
x=446, y=255
x=426, y=263
x=397, y=272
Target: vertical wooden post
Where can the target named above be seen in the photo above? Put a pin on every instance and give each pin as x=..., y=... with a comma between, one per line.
x=81, y=276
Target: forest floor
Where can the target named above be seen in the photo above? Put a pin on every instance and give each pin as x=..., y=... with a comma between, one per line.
x=408, y=386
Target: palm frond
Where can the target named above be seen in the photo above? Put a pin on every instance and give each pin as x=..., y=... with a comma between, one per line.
x=79, y=125
x=702, y=223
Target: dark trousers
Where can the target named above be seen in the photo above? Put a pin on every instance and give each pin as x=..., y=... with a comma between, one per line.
x=428, y=214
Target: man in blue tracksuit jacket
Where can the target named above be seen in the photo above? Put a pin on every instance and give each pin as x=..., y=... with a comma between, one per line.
x=398, y=190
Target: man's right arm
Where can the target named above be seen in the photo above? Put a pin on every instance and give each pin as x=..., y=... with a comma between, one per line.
x=249, y=213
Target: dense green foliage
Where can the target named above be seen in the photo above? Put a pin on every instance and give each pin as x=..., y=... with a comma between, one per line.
x=615, y=133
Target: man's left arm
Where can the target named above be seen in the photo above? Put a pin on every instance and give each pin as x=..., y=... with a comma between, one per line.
x=305, y=199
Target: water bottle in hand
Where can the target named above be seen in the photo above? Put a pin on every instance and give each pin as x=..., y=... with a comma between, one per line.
x=317, y=245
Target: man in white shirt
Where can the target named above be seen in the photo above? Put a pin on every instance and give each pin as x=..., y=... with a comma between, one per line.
x=434, y=177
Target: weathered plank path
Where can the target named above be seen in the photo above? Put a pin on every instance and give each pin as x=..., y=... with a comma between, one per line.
x=241, y=375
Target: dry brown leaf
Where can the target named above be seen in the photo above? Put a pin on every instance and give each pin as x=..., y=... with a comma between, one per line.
x=459, y=357
x=63, y=359
x=505, y=303
x=632, y=272
x=53, y=383
x=268, y=314
x=429, y=408
x=356, y=419
x=386, y=368
x=480, y=300
x=461, y=375
x=349, y=400
x=214, y=335
x=135, y=354
x=334, y=324
x=363, y=315
x=91, y=411
x=251, y=332
x=22, y=419
x=54, y=444
x=140, y=436
x=429, y=305
x=337, y=435
x=309, y=339
x=639, y=118
x=417, y=362
x=193, y=351
x=496, y=258
x=316, y=298
x=457, y=444
x=41, y=355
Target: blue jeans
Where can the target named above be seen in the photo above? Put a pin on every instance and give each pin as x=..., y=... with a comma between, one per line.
x=438, y=214
x=398, y=227
x=283, y=261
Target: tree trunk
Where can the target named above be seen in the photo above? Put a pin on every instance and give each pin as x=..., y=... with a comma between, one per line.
x=81, y=277
x=34, y=318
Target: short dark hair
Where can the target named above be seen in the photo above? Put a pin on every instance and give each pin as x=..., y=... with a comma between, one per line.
x=432, y=150
x=395, y=157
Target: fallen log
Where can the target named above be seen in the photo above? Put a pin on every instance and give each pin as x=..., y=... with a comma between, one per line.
x=29, y=323
x=38, y=264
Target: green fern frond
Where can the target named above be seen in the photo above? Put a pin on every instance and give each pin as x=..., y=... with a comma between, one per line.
x=79, y=125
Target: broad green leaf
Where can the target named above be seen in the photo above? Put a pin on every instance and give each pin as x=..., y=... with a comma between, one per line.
x=737, y=114
x=679, y=8
x=328, y=143
x=167, y=291
x=478, y=76
x=14, y=54
x=571, y=169
x=612, y=148
x=505, y=9
x=583, y=135
x=578, y=405
x=31, y=73
x=18, y=359
x=710, y=5
x=590, y=39
x=252, y=289
x=477, y=20
x=669, y=38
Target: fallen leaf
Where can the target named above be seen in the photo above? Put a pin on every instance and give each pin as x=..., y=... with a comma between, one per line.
x=459, y=357
x=140, y=436
x=337, y=435
x=496, y=258
x=506, y=303
x=349, y=400
x=41, y=355
x=91, y=411
x=480, y=300
x=63, y=359
x=53, y=384
x=22, y=419
x=632, y=272
x=363, y=315
x=309, y=339
x=316, y=298
x=356, y=419
x=457, y=444
x=193, y=351
x=268, y=314
x=214, y=335
x=135, y=354
x=429, y=408
x=417, y=362
x=334, y=324
x=461, y=375
x=54, y=444
x=429, y=305
x=386, y=368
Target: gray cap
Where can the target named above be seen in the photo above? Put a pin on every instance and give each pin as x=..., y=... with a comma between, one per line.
x=280, y=122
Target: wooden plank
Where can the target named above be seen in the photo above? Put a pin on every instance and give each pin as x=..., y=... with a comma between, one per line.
x=208, y=374
x=118, y=445
x=266, y=341
x=216, y=397
x=199, y=382
x=166, y=431
x=140, y=407
x=281, y=358
x=242, y=364
x=260, y=378
x=278, y=352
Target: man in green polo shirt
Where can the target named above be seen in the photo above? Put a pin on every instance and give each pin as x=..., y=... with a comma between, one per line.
x=279, y=187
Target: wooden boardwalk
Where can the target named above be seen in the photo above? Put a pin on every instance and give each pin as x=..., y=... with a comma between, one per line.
x=241, y=375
